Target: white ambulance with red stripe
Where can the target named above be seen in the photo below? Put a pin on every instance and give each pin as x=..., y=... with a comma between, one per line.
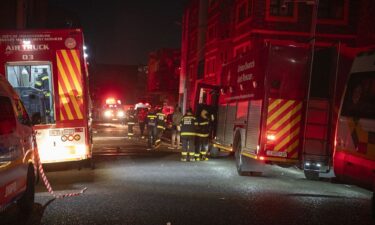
x=49, y=71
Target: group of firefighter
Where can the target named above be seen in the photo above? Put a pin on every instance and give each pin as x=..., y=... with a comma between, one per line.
x=192, y=131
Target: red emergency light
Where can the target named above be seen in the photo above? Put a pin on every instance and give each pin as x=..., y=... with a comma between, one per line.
x=110, y=101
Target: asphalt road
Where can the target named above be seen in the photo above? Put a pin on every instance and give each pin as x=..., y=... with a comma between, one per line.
x=133, y=186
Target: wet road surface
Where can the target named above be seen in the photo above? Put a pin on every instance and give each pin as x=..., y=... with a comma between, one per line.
x=156, y=188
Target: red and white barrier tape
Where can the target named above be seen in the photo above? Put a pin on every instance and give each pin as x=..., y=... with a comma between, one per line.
x=44, y=177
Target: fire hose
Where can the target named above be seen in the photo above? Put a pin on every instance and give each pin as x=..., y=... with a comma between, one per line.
x=39, y=168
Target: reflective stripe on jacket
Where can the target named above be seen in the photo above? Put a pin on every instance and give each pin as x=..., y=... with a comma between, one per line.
x=161, y=120
x=151, y=119
x=203, y=129
x=188, y=125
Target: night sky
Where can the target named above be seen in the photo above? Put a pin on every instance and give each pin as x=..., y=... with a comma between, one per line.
x=123, y=31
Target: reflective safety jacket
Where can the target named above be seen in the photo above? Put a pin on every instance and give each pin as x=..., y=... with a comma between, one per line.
x=188, y=125
x=203, y=128
x=131, y=117
x=161, y=120
x=151, y=119
x=42, y=82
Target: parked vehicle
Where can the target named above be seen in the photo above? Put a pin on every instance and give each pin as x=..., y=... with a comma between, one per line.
x=17, y=148
x=48, y=70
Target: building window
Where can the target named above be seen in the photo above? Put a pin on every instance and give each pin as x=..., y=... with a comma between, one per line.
x=244, y=11
x=210, y=67
x=281, y=10
x=333, y=11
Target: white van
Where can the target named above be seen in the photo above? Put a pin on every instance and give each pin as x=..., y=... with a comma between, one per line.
x=17, y=145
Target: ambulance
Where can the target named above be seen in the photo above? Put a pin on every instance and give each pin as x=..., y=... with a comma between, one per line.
x=48, y=70
x=17, y=146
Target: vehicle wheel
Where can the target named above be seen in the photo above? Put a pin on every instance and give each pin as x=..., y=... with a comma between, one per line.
x=311, y=175
x=238, y=156
x=26, y=202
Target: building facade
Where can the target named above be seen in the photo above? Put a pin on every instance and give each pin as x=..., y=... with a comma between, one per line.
x=163, y=76
x=216, y=32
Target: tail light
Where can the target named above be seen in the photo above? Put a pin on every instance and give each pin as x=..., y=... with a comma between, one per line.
x=271, y=137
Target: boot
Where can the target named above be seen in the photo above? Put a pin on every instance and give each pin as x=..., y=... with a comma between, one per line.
x=184, y=156
x=191, y=156
x=197, y=157
x=204, y=156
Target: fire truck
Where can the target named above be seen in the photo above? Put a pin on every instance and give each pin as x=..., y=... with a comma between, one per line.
x=272, y=112
x=49, y=71
x=261, y=106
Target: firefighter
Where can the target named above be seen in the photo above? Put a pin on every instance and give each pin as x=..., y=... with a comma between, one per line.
x=131, y=122
x=188, y=127
x=160, y=125
x=203, y=132
x=151, y=128
x=142, y=115
x=42, y=83
x=176, y=120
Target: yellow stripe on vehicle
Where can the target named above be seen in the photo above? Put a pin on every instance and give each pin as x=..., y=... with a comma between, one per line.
x=279, y=112
x=286, y=117
x=71, y=71
x=64, y=102
x=287, y=139
x=69, y=89
x=289, y=126
x=274, y=104
x=293, y=146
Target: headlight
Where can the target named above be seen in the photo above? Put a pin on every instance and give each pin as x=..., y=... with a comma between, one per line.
x=108, y=113
x=120, y=114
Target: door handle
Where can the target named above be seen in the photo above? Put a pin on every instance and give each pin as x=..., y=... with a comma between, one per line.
x=349, y=163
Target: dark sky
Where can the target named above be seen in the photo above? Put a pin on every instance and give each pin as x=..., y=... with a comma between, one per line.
x=123, y=31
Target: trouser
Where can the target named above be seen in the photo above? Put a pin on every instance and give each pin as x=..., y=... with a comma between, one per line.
x=151, y=136
x=175, y=138
x=130, y=129
x=188, y=148
x=202, y=147
x=159, y=133
x=142, y=127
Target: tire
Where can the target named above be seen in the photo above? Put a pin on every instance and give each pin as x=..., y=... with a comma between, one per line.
x=26, y=202
x=311, y=175
x=238, y=156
